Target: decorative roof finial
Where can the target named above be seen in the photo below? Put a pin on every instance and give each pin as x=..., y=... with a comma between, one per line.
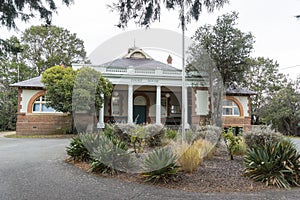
x=134, y=43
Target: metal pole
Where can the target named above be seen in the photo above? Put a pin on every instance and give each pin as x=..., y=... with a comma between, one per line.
x=183, y=95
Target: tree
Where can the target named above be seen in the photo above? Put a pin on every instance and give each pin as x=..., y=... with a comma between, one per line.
x=68, y=90
x=12, y=69
x=264, y=79
x=228, y=47
x=89, y=90
x=144, y=12
x=283, y=109
x=24, y=10
x=46, y=46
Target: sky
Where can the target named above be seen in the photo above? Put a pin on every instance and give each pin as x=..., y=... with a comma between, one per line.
x=272, y=22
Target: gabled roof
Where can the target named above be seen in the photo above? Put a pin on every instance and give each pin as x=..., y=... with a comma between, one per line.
x=33, y=82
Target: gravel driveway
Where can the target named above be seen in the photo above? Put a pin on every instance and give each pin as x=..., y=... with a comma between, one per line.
x=35, y=169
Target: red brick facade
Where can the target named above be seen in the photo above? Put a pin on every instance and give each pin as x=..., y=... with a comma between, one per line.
x=43, y=124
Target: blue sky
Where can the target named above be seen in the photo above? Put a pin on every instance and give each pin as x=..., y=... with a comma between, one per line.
x=272, y=22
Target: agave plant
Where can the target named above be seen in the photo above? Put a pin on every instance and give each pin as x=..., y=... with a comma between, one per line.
x=77, y=150
x=161, y=165
x=275, y=164
x=110, y=156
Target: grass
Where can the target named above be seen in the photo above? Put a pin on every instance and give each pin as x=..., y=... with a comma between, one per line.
x=41, y=136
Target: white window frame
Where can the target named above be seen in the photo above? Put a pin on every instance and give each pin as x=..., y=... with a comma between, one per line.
x=41, y=101
x=232, y=107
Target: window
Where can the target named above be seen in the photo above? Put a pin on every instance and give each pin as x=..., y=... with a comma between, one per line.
x=230, y=108
x=115, y=105
x=39, y=105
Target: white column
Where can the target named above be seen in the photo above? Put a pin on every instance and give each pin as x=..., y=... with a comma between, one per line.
x=130, y=104
x=100, y=123
x=158, y=104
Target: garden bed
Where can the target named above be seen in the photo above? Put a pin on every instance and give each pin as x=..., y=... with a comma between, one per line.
x=217, y=175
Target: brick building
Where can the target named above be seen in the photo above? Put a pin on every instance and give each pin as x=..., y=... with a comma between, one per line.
x=145, y=91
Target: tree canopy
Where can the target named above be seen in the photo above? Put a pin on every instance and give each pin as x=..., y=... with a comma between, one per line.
x=46, y=46
x=144, y=12
x=25, y=10
x=264, y=78
x=227, y=46
x=12, y=69
x=283, y=109
x=67, y=89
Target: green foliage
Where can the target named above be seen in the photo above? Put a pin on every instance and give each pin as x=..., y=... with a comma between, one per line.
x=144, y=12
x=59, y=82
x=12, y=70
x=109, y=155
x=232, y=142
x=283, y=109
x=47, y=46
x=77, y=150
x=226, y=45
x=170, y=134
x=161, y=166
x=263, y=77
x=89, y=90
x=137, y=138
x=154, y=134
x=25, y=10
x=261, y=136
x=275, y=163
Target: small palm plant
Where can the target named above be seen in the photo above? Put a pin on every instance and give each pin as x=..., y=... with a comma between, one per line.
x=161, y=165
x=274, y=163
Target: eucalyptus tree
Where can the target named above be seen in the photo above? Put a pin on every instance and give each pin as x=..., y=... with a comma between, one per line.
x=47, y=46
x=227, y=46
x=283, y=109
x=12, y=70
x=262, y=77
x=24, y=10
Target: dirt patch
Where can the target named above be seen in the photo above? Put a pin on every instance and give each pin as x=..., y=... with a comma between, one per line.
x=217, y=175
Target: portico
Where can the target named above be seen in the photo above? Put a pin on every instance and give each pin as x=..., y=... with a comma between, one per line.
x=145, y=91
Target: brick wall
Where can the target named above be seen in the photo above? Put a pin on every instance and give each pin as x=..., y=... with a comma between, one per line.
x=43, y=124
x=244, y=122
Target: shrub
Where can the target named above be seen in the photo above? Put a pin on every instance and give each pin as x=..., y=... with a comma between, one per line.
x=77, y=150
x=170, y=134
x=189, y=157
x=274, y=163
x=161, y=165
x=110, y=156
x=123, y=131
x=209, y=133
x=232, y=142
x=154, y=134
x=261, y=136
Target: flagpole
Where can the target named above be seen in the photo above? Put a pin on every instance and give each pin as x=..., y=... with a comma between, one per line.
x=183, y=95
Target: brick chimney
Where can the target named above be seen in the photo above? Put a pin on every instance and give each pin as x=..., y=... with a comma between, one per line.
x=169, y=60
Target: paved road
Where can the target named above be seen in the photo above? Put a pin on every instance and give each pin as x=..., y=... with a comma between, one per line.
x=34, y=169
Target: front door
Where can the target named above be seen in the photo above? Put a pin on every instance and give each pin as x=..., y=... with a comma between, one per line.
x=140, y=110
x=139, y=114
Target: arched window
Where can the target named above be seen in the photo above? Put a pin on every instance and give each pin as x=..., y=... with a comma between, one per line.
x=39, y=105
x=230, y=108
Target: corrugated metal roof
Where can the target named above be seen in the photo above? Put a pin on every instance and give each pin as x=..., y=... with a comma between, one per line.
x=33, y=82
